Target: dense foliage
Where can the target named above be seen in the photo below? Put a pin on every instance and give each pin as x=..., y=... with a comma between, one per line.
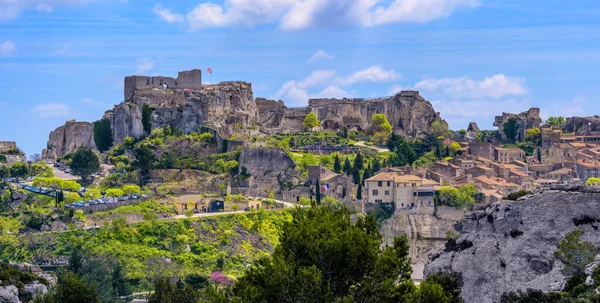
x=311, y=121
x=103, y=135
x=84, y=162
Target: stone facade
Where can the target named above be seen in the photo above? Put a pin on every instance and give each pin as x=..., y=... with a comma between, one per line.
x=407, y=192
x=7, y=145
x=185, y=80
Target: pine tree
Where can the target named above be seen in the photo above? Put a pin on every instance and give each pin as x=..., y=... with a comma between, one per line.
x=539, y=155
x=347, y=166
x=366, y=175
x=359, y=192
x=337, y=164
x=447, y=151
x=438, y=153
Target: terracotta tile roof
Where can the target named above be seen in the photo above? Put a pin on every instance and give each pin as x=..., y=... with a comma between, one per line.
x=496, y=181
x=392, y=176
x=518, y=173
x=510, y=150
x=562, y=171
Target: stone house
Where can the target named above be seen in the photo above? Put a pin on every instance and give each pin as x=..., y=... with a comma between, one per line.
x=7, y=145
x=521, y=178
x=507, y=155
x=407, y=192
x=338, y=186
x=561, y=152
x=586, y=168
x=562, y=175
x=481, y=171
x=446, y=168
x=502, y=186
x=481, y=150
x=550, y=136
x=465, y=162
x=539, y=170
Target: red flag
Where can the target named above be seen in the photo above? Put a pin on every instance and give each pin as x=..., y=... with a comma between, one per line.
x=209, y=70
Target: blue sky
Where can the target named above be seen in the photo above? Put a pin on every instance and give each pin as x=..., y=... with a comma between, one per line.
x=473, y=59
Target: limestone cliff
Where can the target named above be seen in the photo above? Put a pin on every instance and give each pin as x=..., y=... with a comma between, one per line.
x=510, y=245
x=69, y=137
x=267, y=168
x=523, y=121
x=275, y=117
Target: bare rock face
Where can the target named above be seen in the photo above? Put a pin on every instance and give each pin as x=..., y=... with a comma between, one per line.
x=265, y=159
x=69, y=137
x=35, y=289
x=524, y=121
x=9, y=294
x=582, y=125
x=275, y=117
x=407, y=111
x=510, y=246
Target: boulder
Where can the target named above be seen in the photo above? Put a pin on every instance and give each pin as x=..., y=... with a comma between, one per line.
x=9, y=294
x=260, y=160
x=35, y=289
x=69, y=137
x=582, y=125
x=513, y=247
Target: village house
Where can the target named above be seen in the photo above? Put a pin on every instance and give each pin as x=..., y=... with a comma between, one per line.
x=481, y=170
x=465, y=162
x=407, y=192
x=521, y=178
x=562, y=175
x=502, y=186
x=587, y=168
x=507, y=155
x=332, y=184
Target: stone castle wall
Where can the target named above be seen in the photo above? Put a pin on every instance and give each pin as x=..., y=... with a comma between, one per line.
x=186, y=79
x=6, y=145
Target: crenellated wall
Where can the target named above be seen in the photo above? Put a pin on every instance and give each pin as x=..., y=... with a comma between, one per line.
x=186, y=79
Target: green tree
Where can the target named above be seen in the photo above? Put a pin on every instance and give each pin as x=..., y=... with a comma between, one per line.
x=144, y=159
x=430, y=292
x=511, y=129
x=381, y=124
x=165, y=292
x=41, y=170
x=348, y=265
x=131, y=189
x=4, y=171
x=574, y=254
x=318, y=192
x=556, y=121
x=359, y=161
x=70, y=289
x=103, y=135
x=19, y=170
x=347, y=166
x=359, y=192
x=356, y=175
x=454, y=147
x=539, y=155
x=337, y=164
x=592, y=181
x=376, y=166
x=84, y=162
x=311, y=121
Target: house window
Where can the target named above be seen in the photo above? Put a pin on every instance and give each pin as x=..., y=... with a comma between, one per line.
x=404, y=184
x=379, y=183
x=402, y=204
x=388, y=183
x=375, y=192
x=387, y=192
x=378, y=201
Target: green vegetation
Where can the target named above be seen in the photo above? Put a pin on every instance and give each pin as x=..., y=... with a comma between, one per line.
x=511, y=130
x=575, y=254
x=592, y=181
x=556, y=121
x=103, y=135
x=84, y=162
x=311, y=121
x=147, y=118
x=19, y=170
x=57, y=183
x=41, y=170
x=382, y=129
x=516, y=195
x=461, y=196
x=10, y=275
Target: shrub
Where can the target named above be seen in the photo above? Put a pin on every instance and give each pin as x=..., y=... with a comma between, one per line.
x=516, y=195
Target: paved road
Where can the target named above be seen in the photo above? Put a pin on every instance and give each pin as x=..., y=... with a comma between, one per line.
x=62, y=175
x=378, y=149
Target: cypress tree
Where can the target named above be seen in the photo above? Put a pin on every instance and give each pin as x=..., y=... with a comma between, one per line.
x=376, y=166
x=347, y=166
x=359, y=162
x=337, y=164
x=356, y=175
x=539, y=155
x=366, y=175
x=359, y=192
x=318, y=192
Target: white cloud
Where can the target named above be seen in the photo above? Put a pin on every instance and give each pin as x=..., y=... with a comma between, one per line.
x=459, y=113
x=52, y=110
x=10, y=9
x=302, y=14
x=396, y=88
x=7, y=48
x=371, y=74
x=318, y=77
x=297, y=93
x=87, y=100
x=320, y=55
x=167, y=15
x=496, y=87
x=144, y=65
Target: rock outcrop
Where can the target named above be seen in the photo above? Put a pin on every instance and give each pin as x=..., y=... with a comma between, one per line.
x=510, y=246
x=267, y=169
x=583, y=125
x=407, y=112
x=275, y=117
x=9, y=294
x=523, y=121
x=69, y=137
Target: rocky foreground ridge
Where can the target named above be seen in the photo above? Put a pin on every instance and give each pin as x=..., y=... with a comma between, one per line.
x=510, y=245
x=230, y=108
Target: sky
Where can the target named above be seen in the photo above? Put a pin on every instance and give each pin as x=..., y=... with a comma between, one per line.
x=473, y=59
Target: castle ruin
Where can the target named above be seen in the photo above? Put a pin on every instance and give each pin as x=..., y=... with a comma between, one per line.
x=186, y=79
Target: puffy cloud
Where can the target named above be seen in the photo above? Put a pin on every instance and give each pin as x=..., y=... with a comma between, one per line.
x=302, y=14
x=298, y=92
x=10, y=9
x=52, y=110
x=459, y=113
x=167, y=15
x=371, y=74
x=496, y=86
x=319, y=55
x=144, y=65
x=7, y=49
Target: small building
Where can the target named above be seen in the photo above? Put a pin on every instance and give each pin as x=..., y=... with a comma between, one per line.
x=586, y=168
x=472, y=131
x=507, y=155
x=201, y=205
x=407, y=192
x=502, y=186
x=481, y=171
x=562, y=175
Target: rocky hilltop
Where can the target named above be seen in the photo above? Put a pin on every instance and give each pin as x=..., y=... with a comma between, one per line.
x=230, y=108
x=521, y=123
x=510, y=245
